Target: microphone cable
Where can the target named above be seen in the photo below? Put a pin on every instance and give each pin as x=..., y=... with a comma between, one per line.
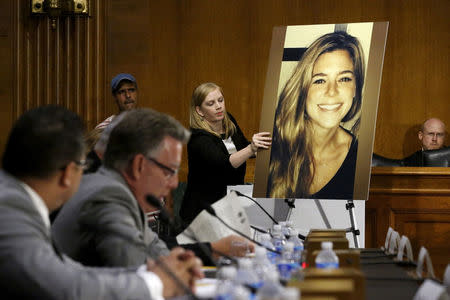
x=290, y=204
x=164, y=216
x=175, y=278
x=212, y=212
x=256, y=202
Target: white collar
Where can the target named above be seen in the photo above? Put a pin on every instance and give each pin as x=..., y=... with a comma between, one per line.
x=38, y=203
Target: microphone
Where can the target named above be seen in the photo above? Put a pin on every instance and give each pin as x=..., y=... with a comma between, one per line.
x=164, y=216
x=212, y=212
x=254, y=201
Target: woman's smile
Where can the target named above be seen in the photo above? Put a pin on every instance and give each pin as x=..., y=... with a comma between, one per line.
x=330, y=107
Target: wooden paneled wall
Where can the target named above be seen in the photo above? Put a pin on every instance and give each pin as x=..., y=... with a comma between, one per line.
x=64, y=65
x=172, y=46
x=228, y=42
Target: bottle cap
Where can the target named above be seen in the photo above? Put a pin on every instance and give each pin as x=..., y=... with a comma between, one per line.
x=327, y=245
x=260, y=252
x=245, y=263
x=227, y=272
x=290, y=293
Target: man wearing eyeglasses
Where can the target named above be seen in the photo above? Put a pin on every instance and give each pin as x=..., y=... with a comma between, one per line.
x=125, y=92
x=104, y=223
x=42, y=168
x=431, y=136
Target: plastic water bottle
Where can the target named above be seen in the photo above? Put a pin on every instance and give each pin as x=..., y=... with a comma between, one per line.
x=286, y=264
x=271, y=289
x=284, y=229
x=278, y=239
x=298, y=246
x=262, y=265
x=327, y=259
x=225, y=286
x=241, y=293
x=290, y=293
x=289, y=226
x=266, y=241
x=245, y=275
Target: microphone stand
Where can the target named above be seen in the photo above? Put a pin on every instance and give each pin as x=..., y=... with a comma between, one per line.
x=350, y=206
x=175, y=278
x=291, y=204
x=164, y=216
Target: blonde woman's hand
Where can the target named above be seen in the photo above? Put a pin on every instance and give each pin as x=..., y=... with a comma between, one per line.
x=261, y=140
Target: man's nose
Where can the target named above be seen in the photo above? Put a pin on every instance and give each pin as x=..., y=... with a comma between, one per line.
x=173, y=181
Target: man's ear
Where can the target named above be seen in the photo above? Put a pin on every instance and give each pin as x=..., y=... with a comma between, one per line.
x=199, y=111
x=136, y=166
x=420, y=135
x=67, y=174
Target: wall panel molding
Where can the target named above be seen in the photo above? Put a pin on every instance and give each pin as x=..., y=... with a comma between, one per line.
x=63, y=66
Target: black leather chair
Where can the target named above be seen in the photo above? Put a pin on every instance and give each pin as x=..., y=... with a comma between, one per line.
x=379, y=161
x=436, y=158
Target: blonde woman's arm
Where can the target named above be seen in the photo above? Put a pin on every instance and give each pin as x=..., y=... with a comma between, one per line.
x=261, y=140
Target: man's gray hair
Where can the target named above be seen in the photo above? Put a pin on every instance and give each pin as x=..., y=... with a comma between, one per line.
x=140, y=131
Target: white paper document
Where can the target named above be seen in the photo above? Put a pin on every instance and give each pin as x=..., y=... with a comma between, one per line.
x=207, y=228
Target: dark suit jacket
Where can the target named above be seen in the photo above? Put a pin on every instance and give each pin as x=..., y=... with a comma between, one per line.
x=103, y=225
x=414, y=160
x=30, y=268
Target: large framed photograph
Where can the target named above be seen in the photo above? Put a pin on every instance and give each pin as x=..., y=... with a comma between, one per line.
x=320, y=104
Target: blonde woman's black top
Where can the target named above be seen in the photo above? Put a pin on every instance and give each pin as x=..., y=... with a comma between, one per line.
x=210, y=170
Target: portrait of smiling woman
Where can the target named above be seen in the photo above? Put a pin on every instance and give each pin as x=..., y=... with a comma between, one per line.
x=313, y=155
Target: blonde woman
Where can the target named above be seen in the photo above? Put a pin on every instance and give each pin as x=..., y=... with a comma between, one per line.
x=313, y=155
x=217, y=150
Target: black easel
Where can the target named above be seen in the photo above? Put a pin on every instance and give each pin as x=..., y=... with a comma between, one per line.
x=350, y=206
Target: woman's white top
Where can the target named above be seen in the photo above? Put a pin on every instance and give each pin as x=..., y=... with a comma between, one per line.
x=231, y=147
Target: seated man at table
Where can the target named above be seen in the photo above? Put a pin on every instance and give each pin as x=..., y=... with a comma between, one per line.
x=432, y=137
x=104, y=223
x=42, y=168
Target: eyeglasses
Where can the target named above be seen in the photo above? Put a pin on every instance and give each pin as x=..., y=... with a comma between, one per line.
x=170, y=172
x=81, y=163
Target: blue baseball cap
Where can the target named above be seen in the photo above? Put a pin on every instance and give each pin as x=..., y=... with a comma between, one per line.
x=118, y=78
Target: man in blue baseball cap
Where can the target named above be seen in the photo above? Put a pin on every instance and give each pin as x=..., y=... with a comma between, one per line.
x=124, y=91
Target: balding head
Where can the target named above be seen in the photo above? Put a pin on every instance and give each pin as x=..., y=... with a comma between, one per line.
x=432, y=134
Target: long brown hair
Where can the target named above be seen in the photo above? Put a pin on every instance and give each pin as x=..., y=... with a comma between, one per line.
x=291, y=168
x=197, y=121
